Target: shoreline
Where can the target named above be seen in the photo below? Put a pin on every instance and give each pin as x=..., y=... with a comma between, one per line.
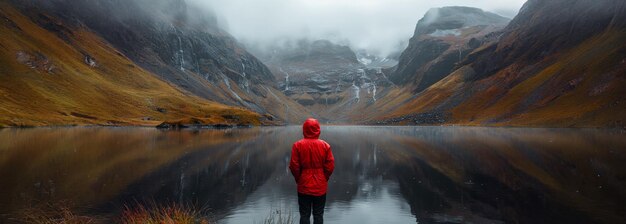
x=175, y=126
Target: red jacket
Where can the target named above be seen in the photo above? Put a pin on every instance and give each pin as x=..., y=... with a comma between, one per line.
x=312, y=161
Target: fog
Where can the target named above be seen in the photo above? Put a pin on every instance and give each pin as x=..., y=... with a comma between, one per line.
x=379, y=26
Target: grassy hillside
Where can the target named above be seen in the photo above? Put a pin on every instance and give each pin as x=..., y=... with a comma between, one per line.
x=583, y=86
x=54, y=75
x=580, y=87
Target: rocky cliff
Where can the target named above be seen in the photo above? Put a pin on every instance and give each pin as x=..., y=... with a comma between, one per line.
x=558, y=63
x=442, y=38
x=324, y=77
x=175, y=41
x=54, y=73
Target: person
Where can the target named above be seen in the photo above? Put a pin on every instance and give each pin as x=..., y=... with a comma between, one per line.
x=311, y=164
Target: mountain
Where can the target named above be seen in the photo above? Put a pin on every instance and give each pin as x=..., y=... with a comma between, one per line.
x=328, y=79
x=375, y=61
x=168, y=40
x=53, y=75
x=558, y=63
x=442, y=38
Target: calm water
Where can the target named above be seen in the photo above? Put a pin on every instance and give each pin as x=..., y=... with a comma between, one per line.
x=383, y=174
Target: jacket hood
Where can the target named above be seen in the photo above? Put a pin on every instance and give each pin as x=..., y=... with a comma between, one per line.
x=311, y=129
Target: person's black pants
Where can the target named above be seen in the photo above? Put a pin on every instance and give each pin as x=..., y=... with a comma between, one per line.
x=308, y=203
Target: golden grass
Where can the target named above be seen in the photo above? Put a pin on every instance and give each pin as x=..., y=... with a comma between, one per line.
x=427, y=100
x=115, y=92
x=65, y=213
x=280, y=105
x=153, y=213
x=163, y=214
x=589, y=63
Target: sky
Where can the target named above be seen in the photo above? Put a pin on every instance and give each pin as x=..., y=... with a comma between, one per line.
x=378, y=26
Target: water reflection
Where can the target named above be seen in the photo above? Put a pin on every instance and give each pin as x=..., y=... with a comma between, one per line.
x=383, y=174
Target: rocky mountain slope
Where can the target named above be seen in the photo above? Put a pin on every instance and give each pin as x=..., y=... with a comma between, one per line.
x=558, y=64
x=326, y=78
x=140, y=62
x=53, y=75
x=441, y=40
x=167, y=39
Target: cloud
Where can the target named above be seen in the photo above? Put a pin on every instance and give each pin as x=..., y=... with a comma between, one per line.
x=378, y=26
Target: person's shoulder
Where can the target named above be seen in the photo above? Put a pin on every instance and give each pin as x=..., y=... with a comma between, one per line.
x=325, y=143
x=321, y=140
x=299, y=142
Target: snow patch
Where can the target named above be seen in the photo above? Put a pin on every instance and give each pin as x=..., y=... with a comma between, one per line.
x=365, y=61
x=445, y=33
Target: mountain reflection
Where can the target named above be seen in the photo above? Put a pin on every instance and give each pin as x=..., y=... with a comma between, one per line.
x=383, y=174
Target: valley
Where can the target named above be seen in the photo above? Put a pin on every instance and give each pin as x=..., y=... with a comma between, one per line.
x=119, y=63
x=190, y=111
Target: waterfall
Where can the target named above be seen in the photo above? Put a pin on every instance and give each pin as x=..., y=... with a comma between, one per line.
x=226, y=81
x=206, y=76
x=371, y=87
x=360, y=73
x=229, y=88
x=357, y=92
x=338, y=86
x=286, y=79
x=243, y=71
x=246, y=83
x=374, y=91
x=181, y=53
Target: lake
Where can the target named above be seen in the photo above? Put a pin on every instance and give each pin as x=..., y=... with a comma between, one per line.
x=382, y=175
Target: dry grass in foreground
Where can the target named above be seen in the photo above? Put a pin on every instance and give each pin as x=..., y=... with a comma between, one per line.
x=168, y=214
x=150, y=213
x=65, y=213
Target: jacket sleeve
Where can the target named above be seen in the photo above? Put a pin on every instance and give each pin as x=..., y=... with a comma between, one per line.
x=329, y=164
x=294, y=163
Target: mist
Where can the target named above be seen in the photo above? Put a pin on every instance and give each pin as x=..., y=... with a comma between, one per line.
x=379, y=26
